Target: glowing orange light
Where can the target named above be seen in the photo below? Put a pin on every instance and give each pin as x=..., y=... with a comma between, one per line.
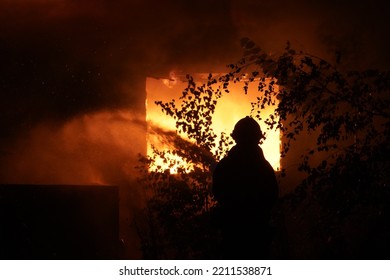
x=230, y=108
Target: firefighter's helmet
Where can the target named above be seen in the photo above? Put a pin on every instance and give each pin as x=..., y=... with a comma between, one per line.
x=247, y=130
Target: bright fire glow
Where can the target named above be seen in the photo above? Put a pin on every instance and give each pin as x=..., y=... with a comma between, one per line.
x=230, y=108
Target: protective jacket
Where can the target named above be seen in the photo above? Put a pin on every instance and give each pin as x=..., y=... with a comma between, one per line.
x=245, y=186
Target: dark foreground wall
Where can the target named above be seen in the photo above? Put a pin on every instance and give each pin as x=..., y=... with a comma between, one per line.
x=59, y=222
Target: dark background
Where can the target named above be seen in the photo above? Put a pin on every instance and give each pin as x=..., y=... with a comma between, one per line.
x=72, y=73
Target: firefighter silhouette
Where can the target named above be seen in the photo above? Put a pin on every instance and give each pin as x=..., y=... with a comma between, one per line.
x=245, y=186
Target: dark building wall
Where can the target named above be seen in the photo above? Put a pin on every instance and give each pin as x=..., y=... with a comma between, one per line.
x=59, y=222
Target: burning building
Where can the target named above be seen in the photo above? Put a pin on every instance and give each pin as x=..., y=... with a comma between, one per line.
x=74, y=78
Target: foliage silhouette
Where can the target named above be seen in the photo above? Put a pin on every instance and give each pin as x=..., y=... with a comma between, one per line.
x=344, y=195
x=179, y=206
x=347, y=115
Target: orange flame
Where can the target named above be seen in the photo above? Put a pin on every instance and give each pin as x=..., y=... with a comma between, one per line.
x=230, y=108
